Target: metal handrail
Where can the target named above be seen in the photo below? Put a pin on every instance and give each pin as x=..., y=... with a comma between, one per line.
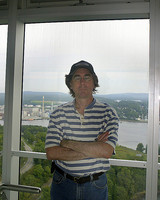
x=20, y=188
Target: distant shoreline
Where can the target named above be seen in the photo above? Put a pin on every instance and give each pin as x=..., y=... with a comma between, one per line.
x=134, y=121
x=120, y=120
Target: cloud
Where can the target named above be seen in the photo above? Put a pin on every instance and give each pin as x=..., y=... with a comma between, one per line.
x=123, y=82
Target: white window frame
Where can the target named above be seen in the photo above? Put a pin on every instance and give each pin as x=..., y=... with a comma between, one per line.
x=16, y=19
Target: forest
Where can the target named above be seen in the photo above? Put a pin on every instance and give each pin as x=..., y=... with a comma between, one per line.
x=124, y=183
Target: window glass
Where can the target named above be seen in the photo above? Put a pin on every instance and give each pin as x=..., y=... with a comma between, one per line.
x=123, y=183
x=119, y=52
x=39, y=175
x=126, y=183
x=3, y=47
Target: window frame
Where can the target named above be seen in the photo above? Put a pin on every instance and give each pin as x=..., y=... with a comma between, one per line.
x=16, y=19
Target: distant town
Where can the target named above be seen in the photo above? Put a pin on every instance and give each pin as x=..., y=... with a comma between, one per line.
x=39, y=112
x=35, y=112
x=37, y=106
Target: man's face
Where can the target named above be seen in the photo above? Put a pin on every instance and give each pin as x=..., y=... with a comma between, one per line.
x=82, y=83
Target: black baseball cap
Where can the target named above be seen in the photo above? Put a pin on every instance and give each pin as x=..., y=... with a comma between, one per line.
x=81, y=64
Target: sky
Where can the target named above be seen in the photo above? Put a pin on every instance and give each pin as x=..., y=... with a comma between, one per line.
x=117, y=49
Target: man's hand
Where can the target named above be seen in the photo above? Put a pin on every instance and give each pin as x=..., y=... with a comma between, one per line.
x=65, y=143
x=103, y=137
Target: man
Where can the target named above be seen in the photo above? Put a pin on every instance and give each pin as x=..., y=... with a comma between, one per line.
x=81, y=136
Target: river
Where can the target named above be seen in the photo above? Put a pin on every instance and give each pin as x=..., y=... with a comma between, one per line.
x=130, y=133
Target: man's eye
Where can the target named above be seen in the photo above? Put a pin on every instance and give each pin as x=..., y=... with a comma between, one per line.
x=87, y=78
x=77, y=78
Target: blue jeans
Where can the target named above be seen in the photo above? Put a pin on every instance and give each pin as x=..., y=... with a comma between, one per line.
x=66, y=189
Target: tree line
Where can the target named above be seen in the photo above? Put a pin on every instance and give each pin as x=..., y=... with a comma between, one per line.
x=130, y=110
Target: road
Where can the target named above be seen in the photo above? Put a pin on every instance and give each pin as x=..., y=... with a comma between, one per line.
x=29, y=163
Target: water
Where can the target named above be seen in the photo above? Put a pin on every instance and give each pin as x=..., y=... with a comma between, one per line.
x=43, y=123
x=130, y=133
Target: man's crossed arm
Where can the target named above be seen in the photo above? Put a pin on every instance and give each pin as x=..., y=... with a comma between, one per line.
x=70, y=150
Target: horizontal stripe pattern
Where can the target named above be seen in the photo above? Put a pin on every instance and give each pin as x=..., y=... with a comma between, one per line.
x=90, y=167
x=67, y=123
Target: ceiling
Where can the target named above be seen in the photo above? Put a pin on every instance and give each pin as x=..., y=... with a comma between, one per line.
x=58, y=3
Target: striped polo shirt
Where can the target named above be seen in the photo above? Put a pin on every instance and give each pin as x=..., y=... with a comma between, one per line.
x=66, y=123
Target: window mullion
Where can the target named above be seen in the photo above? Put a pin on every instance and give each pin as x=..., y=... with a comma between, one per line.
x=11, y=141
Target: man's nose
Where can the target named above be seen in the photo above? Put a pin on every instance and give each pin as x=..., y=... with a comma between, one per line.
x=82, y=80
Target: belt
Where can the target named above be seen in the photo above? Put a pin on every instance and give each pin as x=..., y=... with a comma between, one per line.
x=79, y=180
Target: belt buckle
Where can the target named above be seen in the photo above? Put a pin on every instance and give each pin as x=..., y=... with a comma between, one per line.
x=76, y=179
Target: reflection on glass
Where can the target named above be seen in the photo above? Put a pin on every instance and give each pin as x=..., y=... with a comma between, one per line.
x=3, y=47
